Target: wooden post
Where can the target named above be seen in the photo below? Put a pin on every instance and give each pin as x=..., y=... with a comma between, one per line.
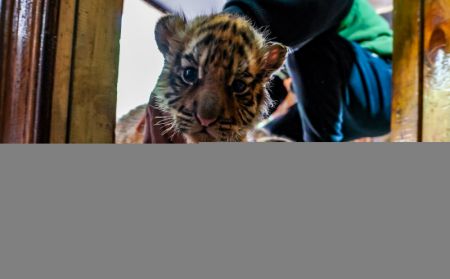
x=159, y=5
x=27, y=53
x=436, y=118
x=63, y=68
x=58, y=70
x=84, y=101
x=421, y=99
x=407, y=75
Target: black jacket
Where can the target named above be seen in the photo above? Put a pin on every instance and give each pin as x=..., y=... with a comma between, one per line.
x=292, y=22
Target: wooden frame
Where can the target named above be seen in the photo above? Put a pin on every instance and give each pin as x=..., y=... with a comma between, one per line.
x=421, y=106
x=58, y=70
x=407, y=88
x=436, y=77
x=84, y=98
x=27, y=52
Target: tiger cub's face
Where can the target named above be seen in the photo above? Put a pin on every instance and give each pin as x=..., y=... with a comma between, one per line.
x=214, y=77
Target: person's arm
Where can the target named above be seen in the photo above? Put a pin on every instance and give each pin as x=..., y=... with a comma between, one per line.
x=292, y=22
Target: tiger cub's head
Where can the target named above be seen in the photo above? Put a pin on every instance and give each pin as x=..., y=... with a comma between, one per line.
x=214, y=77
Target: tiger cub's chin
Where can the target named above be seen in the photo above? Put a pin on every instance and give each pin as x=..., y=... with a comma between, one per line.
x=216, y=69
x=199, y=138
x=209, y=135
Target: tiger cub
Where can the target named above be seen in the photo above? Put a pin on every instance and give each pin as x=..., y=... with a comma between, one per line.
x=130, y=129
x=216, y=69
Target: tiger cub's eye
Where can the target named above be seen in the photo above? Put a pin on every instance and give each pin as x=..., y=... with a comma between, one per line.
x=239, y=86
x=190, y=75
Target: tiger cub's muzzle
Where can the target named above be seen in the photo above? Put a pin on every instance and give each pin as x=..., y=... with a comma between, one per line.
x=207, y=109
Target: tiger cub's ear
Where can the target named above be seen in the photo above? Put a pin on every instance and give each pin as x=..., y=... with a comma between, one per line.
x=274, y=57
x=168, y=32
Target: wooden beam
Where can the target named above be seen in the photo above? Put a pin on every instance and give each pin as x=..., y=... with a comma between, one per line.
x=27, y=53
x=159, y=5
x=84, y=103
x=408, y=71
x=436, y=105
x=63, y=68
x=58, y=70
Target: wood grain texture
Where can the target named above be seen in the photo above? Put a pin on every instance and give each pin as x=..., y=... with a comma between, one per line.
x=94, y=71
x=407, y=71
x=436, y=62
x=63, y=70
x=58, y=70
x=27, y=50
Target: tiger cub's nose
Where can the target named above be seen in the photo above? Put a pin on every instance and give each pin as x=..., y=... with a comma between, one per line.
x=205, y=122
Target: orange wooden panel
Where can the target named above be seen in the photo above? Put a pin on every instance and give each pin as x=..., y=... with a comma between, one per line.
x=94, y=71
x=436, y=118
x=63, y=70
x=407, y=85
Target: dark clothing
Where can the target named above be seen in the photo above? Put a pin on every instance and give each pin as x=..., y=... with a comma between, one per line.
x=288, y=125
x=296, y=22
x=343, y=93
x=343, y=90
x=293, y=22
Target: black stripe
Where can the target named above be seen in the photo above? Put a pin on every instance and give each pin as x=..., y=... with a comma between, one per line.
x=244, y=96
x=228, y=121
x=241, y=51
x=209, y=57
x=224, y=25
x=259, y=77
x=184, y=125
x=178, y=59
x=183, y=130
x=250, y=113
x=245, y=37
x=234, y=29
x=212, y=55
x=244, y=119
x=173, y=101
x=222, y=129
x=246, y=73
x=248, y=102
x=231, y=61
x=224, y=54
x=206, y=40
x=176, y=82
x=190, y=58
x=259, y=97
x=184, y=112
x=170, y=95
x=184, y=117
